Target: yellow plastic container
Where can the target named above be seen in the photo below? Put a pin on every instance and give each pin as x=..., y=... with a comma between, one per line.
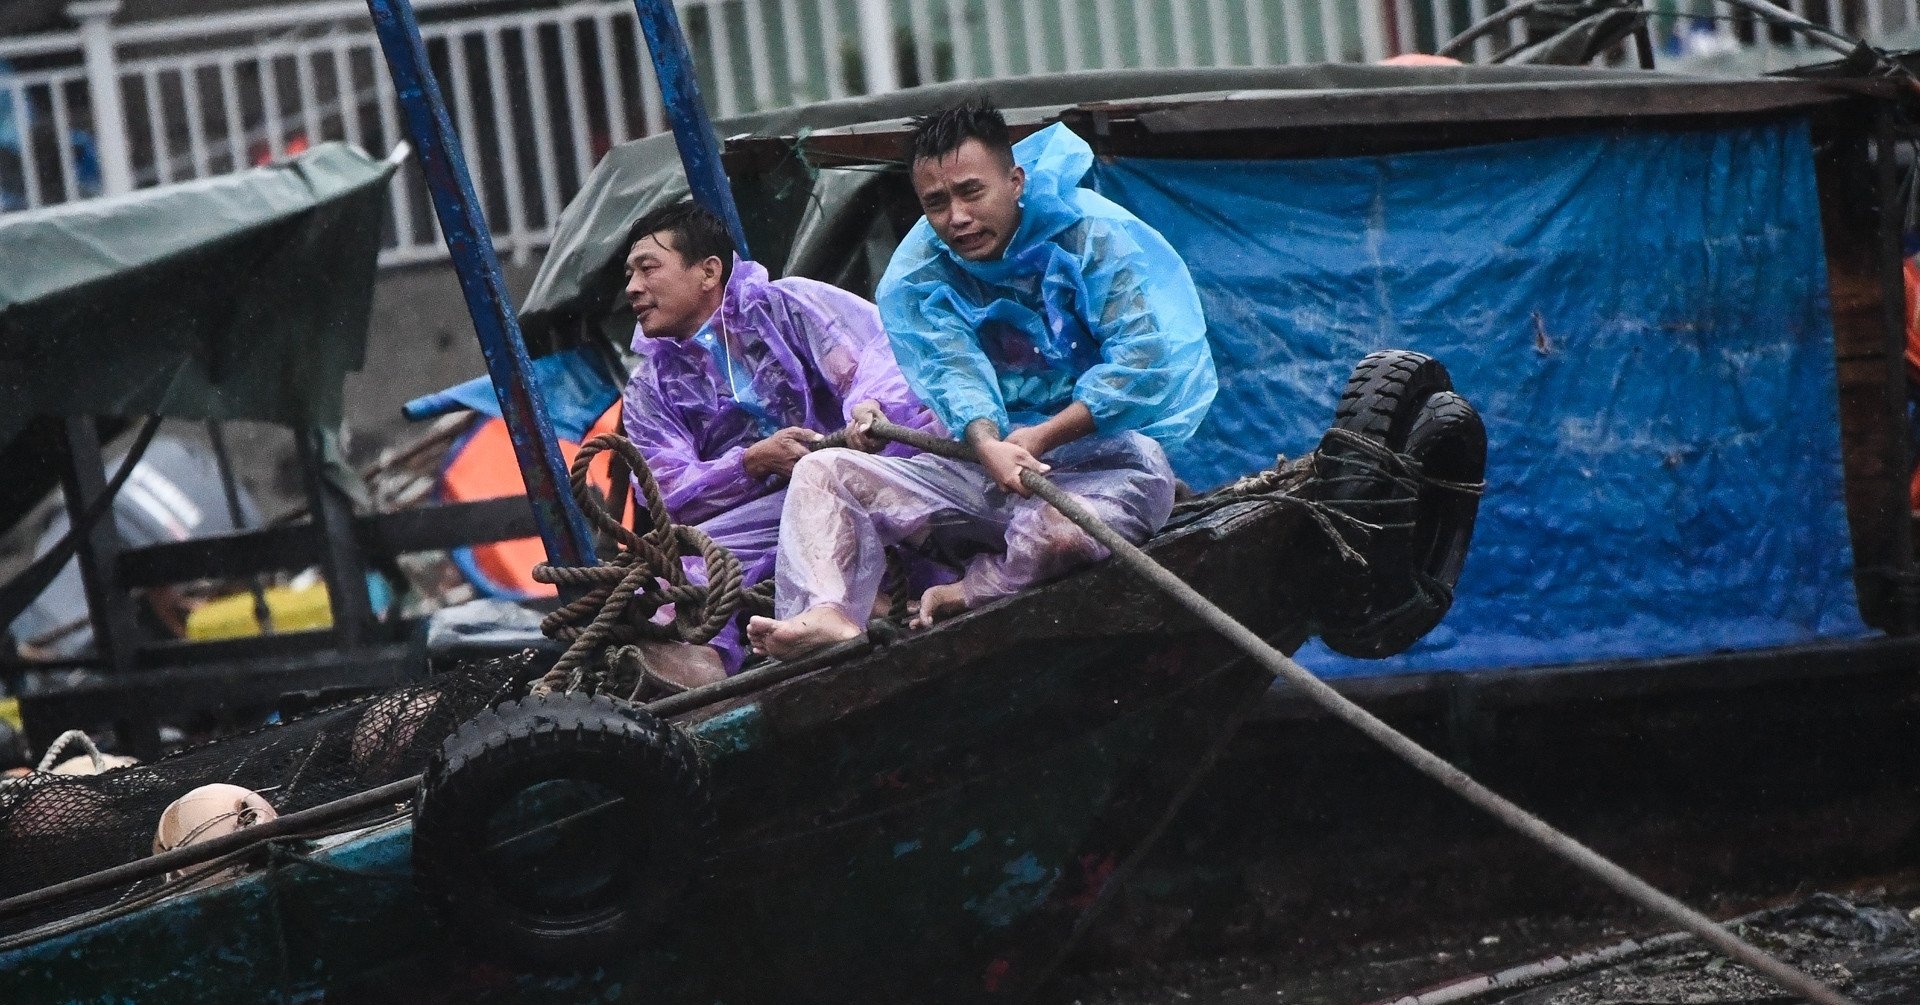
x=293, y=609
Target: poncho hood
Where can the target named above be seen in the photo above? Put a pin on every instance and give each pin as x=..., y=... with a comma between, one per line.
x=1088, y=304
x=1055, y=160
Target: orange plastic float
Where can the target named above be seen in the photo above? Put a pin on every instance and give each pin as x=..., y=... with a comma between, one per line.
x=482, y=466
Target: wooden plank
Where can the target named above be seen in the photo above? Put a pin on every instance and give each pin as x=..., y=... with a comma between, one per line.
x=294, y=546
x=237, y=684
x=437, y=528
x=83, y=481
x=1608, y=680
x=1262, y=111
x=1873, y=446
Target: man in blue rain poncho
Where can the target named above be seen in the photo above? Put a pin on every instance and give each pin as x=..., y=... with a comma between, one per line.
x=1050, y=328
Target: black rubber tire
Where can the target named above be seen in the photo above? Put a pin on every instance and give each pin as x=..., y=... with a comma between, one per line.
x=1399, y=607
x=1450, y=442
x=1381, y=402
x=1384, y=395
x=653, y=835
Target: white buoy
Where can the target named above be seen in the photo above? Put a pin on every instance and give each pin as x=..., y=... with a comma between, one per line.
x=208, y=812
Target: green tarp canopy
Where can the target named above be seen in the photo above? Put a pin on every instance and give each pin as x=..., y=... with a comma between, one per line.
x=245, y=296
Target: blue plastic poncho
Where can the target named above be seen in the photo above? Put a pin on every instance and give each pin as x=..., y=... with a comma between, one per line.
x=1088, y=304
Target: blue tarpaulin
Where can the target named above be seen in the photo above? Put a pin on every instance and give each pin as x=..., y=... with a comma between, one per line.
x=1642, y=321
x=574, y=390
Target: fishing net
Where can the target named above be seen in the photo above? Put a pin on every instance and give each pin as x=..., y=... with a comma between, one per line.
x=57, y=827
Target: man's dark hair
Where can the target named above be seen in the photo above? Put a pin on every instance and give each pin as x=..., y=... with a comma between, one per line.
x=696, y=232
x=936, y=135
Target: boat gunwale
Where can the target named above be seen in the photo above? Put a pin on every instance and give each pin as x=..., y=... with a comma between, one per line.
x=1211, y=529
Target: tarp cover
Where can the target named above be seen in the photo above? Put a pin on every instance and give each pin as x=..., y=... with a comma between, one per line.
x=574, y=389
x=1641, y=316
x=245, y=296
x=1642, y=320
x=580, y=277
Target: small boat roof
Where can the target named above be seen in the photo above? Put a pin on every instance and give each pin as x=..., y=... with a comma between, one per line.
x=1326, y=108
x=244, y=295
x=241, y=296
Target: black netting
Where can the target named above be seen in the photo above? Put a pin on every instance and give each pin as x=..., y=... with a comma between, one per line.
x=57, y=827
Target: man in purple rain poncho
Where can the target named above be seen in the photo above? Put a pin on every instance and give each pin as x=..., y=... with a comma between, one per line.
x=1052, y=329
x=738, y=375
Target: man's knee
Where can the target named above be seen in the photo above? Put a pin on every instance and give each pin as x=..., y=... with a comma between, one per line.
x=1050, y=537
x=823, y=470
x=846, y=474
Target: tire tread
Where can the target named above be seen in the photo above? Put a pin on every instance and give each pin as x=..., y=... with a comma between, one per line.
x=515, y=737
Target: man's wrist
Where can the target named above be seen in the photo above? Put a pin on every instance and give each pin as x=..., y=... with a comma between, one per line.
x=1060, y=429
x=1070, y=424
x=750, y=460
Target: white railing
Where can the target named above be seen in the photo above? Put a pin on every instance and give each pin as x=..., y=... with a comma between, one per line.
x=539, y=95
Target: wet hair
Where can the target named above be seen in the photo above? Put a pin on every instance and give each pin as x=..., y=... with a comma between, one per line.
x=697, y=233
x=938, y=134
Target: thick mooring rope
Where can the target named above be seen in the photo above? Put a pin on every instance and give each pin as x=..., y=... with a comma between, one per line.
x=1423, y=760
x=622, y=595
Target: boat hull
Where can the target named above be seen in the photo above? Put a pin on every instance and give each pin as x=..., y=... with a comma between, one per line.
x=936, y=820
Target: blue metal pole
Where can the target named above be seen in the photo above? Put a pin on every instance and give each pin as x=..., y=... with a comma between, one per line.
x=562, y=528
x=692, y=130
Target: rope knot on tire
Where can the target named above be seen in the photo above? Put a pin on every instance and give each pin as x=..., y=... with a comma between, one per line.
x=1394, y=488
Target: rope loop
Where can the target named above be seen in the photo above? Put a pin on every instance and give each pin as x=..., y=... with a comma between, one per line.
x=620, y=597
x=58, y=748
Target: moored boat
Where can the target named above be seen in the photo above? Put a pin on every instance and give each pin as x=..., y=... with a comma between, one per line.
x=1072, y=719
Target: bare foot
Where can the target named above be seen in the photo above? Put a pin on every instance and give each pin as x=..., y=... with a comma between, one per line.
x=940, y=603
x=814, y=629
x=683, y=666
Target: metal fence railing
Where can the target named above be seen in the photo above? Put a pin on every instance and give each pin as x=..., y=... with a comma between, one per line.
x=538, y=95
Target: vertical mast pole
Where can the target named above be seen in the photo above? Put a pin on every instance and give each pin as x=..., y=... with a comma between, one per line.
x=687, y=114
x=562, y=528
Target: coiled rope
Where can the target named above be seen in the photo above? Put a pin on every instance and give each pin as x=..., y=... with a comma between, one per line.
x=622, y=595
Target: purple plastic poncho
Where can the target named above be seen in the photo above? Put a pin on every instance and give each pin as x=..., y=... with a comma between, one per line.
x=810, y=352
x=845, y=509
x=803, y=354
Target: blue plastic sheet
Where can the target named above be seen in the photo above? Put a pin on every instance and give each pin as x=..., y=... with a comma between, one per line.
x=574, y=390
x=1642, y=320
